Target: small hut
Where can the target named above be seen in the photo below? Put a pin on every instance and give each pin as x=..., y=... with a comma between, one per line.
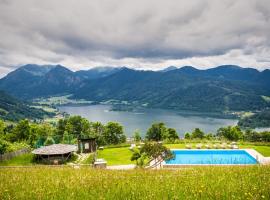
x=55, y=154
x=86, y=144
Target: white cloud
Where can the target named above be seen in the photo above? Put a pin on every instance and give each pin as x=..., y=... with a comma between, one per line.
x=142, y=34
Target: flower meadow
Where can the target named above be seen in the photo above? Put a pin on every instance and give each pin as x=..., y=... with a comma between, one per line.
x=227, y=182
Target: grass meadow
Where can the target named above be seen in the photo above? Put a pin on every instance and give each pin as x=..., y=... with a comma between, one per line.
x=246, y=182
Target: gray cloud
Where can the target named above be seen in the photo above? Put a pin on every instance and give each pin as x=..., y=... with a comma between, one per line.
x=143, y=34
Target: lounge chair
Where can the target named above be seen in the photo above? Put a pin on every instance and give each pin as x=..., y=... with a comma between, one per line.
x=223, y=146
x=198, y=146
x=234, y=146
x=188, y=146
x=101, y=148
x=215, y=146
x=207, y=146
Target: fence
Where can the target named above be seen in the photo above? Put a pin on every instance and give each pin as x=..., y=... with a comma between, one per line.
x=8, y=156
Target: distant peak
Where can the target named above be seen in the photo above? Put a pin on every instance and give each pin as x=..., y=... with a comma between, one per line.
x=170, y=68
x=188, y=68
x=228, y=67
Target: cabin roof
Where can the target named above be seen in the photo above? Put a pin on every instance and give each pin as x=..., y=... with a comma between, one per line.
x=55, y=149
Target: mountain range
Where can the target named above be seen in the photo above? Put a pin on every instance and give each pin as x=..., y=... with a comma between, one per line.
x=224, y=88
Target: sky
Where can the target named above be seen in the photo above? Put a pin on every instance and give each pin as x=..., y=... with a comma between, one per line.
x=141, y=34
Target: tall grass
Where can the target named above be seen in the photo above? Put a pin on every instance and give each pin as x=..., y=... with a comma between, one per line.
x=251, y=182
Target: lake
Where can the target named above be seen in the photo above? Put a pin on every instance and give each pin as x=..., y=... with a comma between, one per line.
x=143, y=119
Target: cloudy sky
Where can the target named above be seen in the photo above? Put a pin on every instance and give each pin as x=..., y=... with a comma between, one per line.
x=145, y=34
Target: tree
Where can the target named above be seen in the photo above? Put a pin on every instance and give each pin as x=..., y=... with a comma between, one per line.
x=187, y=136
x=21, y=131
x=61, y=127
x=151, y=150
x=157, y=132
x=3, y=145
x=253, y=136
x=197, y=133
x=139, y=157
x=155, y=150
x=97, y=130
x=2, y=128
x=39, y=134
x=74, y=125
x=172, y=134
x=114, y=133
x=209, y=136
x=232, y=133
x=137, y=136
x=265, y=136
x=66, y=138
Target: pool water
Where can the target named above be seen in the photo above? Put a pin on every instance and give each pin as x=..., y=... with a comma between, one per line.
x=215, y=157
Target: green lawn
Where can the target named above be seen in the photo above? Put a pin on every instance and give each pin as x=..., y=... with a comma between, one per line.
x=264, y=150
x=249, y=182
x=116, y=156
x=25, y=159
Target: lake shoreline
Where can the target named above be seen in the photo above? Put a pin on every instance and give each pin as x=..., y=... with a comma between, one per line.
x=142, y=118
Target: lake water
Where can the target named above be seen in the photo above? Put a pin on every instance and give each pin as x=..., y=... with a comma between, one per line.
x=143, y=119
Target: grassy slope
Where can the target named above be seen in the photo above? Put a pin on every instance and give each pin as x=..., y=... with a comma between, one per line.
x=116, y=156
x=189, y=183
x=25, y=159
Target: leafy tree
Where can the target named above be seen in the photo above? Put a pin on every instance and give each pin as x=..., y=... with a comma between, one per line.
x=74, y=125
x=172, y=134
x=66, y=138
x=139, y=156
x=2, y=128
x=265, y=136
x=155, y=150
x=114, y=133
x=97, y=130
x=197, y=133
x=209, y=136
x=253, y=136
x=3, y=145
x=21, y=131
x=61, y=126
x=230, y=133
x=137, y=136
x=157, y=132
x=187, y=136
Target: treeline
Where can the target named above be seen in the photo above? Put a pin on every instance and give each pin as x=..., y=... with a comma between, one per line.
x=159, y=131
x=67, y=131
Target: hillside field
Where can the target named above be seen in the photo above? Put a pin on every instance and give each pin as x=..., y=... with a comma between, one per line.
x=85, y=183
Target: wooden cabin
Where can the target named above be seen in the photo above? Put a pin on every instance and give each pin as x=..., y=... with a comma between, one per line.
x=86, y=144
x=55, y=153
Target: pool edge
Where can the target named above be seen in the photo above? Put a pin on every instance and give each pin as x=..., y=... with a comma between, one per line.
x=252, y=152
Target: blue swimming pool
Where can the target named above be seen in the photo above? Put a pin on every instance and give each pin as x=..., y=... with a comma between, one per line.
x=208, y=157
